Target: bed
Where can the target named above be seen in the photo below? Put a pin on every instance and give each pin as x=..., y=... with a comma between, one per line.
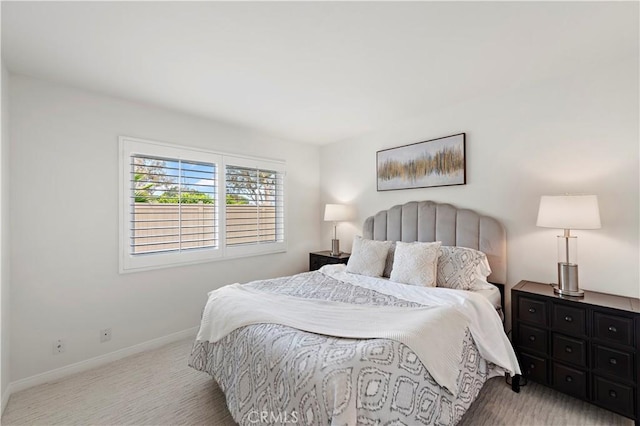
x=424, y=361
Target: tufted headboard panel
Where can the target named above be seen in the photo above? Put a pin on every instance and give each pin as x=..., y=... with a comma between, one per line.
x=429, y=221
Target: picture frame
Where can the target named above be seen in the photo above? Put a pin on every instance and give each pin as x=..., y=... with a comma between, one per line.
x=435, y=162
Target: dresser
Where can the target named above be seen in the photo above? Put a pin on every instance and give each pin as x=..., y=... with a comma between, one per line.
x=585, y=347
x=320, y=258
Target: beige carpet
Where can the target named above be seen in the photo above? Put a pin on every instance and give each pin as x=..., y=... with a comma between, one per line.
x=158, y=388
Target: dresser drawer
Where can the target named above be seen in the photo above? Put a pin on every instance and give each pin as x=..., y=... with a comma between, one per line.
x=612, y=361
x=612, y=328
x=532, y=338
x=614, y=396
x=567, y=349
x=533, y=311
x=570, y=380
x=570, y=320
x=534, y=368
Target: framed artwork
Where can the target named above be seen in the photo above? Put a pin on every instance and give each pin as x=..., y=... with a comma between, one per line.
x=436, y=162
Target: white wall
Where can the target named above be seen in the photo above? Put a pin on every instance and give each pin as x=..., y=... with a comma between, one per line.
x=4, y=243
x=64, y=219
x=577, y=135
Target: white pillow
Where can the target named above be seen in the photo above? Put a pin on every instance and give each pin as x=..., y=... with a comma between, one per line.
x=416, y=263
x=462, y=268
x=368, y=257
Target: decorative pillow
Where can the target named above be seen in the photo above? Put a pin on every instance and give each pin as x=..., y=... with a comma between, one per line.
x=388, y=267
x=461, y=268
x=416, y=263
x=368, y=257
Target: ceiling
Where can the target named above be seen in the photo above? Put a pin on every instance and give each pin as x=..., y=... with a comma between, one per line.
x=313, y=72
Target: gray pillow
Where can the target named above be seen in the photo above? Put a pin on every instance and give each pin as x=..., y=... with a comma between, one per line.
x=460, y=267
x=368, y=257
x=388, y=267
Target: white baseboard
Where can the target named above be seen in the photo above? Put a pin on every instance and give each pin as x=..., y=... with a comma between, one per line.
x=5, y=398
x=98, y=361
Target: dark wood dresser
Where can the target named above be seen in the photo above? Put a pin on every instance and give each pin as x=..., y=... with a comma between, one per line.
x=320, y=258
x=585, y=347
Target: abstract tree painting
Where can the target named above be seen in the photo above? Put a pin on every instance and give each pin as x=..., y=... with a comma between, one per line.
x=436, y=162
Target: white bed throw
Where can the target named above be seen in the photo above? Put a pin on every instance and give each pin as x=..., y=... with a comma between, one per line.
x=484, y=324
x=421, y=329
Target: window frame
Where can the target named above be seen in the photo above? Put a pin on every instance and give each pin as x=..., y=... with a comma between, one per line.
x=128, y=262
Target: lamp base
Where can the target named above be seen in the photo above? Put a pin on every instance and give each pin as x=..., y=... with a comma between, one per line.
x=568, y=280
x=335, y=248
x=561, y=292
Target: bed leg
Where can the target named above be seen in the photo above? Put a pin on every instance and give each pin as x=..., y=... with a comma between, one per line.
x=515, y=383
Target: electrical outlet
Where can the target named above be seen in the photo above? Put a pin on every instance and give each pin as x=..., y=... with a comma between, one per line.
x=58, y=346
x=105, y=335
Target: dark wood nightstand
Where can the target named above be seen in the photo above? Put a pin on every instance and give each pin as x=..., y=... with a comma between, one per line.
x=320, y=258
x=585, y=347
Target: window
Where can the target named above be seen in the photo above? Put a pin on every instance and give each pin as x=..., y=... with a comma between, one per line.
x=172, y=211
x=254, y=206
x=172, y=205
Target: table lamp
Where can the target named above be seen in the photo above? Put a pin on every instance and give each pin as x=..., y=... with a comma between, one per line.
x=568, y=212
x=336, y=213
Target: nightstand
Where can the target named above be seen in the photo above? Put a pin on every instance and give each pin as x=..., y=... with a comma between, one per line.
x=320, y=258
x=585, y=347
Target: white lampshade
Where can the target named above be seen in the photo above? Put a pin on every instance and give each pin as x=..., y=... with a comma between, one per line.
x=569, y=212
x=337, y=212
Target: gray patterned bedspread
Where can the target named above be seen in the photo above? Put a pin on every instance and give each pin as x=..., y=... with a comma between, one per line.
x=273, y=374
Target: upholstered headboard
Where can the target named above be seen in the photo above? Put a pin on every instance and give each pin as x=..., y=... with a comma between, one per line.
x=428, y=221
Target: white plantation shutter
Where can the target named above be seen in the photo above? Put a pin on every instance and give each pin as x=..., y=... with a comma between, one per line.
x=254, y=205
x=173, y=205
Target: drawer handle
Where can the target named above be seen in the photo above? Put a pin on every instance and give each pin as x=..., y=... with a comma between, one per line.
x=568, y=349
x=568, y=318
x=569, y=379
x=613, y=361
x=532, y=310
x=613, y=329
x=532, y=366
x=613, y=394
x=532, y=338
